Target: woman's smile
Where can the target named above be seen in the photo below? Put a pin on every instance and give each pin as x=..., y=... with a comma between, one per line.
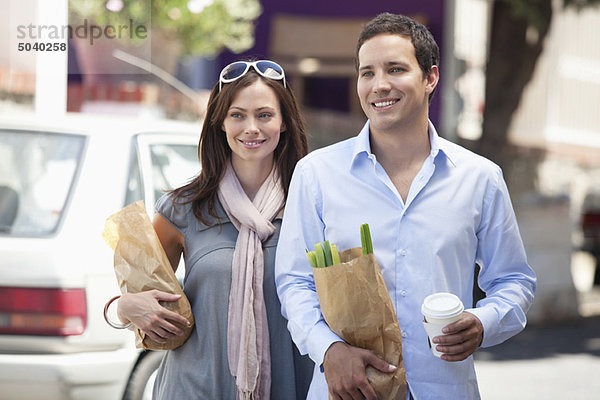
x=252, y=144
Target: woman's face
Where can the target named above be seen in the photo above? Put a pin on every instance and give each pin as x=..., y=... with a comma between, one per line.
x=253, y=124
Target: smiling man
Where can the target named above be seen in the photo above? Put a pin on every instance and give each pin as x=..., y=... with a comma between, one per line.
x=435, y=209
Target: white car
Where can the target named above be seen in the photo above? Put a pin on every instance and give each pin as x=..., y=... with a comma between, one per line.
x=60, y=178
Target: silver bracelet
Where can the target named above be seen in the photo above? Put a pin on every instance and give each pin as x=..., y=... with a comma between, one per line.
x=108, y=321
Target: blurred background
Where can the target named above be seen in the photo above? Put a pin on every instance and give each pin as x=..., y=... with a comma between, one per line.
x=520, y=84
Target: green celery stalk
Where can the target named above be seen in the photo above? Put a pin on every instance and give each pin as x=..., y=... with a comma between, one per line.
x=365, y=239
x=320, y=255
x=312, y=258
x=335, y=255
x=327, y=250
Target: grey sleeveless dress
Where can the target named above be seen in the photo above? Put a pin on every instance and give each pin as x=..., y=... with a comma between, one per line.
x=199, y=369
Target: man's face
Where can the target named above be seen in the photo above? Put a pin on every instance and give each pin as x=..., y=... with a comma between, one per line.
x=391, y=87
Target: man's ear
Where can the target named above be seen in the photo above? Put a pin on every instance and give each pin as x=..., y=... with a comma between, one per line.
x=432, y=79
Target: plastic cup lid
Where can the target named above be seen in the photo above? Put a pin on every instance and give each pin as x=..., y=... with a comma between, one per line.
x=442, y=305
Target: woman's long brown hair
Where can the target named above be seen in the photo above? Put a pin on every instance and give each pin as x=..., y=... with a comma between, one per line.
x=213, y=150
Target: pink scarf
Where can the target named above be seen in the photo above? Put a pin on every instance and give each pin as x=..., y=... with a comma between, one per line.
x=247, y=333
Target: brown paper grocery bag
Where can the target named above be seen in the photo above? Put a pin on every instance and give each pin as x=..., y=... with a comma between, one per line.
x=141, y=264
x=357, y=307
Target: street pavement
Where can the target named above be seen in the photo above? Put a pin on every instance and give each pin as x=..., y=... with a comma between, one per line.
x=557, y=361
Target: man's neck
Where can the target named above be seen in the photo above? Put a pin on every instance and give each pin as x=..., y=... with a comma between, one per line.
x=401, y=153
x=402, y=148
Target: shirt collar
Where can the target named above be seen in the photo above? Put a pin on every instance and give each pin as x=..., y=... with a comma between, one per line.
x=362, y=145
x=438, y=144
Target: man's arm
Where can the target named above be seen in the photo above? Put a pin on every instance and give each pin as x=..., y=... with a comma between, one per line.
x=302, y=227
x=507, y=279
x=302, y=224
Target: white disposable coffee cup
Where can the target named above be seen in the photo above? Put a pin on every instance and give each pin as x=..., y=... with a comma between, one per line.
x=440, y=309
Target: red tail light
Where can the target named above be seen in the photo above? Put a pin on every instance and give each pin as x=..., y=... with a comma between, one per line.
x=41, y=311
x=591, y=221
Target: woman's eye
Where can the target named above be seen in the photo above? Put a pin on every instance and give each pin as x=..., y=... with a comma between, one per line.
x=236, y=115
x=264, y=115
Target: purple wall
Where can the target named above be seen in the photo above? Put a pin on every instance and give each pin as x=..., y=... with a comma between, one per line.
x=433, y=10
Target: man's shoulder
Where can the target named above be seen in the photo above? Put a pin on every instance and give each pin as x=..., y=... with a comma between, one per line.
x=336, y=153
x=464, y=158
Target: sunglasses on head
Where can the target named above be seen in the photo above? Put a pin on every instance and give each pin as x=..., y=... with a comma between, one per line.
x=266, y=68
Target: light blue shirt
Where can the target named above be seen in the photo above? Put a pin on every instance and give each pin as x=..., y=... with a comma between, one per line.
x=457, y=213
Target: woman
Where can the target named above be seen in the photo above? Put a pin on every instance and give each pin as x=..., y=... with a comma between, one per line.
x=226, y=223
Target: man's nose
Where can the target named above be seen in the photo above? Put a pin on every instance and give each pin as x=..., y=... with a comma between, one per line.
x=382, y=83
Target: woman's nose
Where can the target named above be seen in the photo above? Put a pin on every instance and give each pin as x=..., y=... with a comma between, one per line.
x=251, y=126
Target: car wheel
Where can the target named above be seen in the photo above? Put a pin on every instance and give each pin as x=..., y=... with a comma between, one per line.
x=142, y=378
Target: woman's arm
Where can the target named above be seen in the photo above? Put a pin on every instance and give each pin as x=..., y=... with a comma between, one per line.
x=144, y=308
x=170, y=238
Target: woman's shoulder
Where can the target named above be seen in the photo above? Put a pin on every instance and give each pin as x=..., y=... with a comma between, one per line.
x=179, y=211
x=175, y=210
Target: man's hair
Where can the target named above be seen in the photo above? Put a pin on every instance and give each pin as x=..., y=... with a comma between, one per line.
x=427, y=51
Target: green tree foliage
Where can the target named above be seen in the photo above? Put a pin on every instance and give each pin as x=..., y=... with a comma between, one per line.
x=202, y=27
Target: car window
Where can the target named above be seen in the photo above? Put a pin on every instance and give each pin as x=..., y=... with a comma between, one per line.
x=37, y=171
x=173, y=165
x=134, y=191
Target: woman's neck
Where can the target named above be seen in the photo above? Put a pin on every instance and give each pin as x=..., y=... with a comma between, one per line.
x=252, y=174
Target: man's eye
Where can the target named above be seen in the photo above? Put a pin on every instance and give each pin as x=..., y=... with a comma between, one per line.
x=367, y=74
x=396, y=69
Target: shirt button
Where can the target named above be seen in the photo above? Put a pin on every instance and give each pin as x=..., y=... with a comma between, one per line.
x=403, y=293
x=403, y=253
x=404, y=334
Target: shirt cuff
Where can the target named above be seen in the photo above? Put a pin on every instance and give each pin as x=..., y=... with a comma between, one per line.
x=321, y=337
x=489, y=320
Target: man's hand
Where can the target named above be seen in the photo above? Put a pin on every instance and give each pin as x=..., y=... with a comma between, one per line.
x=345, y=371
x=462, y=338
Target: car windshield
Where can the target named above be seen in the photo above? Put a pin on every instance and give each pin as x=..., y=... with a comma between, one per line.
x=36, y=175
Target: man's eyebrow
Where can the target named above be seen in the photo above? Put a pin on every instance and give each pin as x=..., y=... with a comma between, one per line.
x=387, y=64
x=394, y=63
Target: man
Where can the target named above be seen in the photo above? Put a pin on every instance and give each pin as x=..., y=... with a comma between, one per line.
x=435, y=210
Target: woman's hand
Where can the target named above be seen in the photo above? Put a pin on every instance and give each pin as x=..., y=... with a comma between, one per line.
x=146, y=313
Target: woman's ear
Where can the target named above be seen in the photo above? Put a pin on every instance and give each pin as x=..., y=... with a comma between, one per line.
x=283, y=127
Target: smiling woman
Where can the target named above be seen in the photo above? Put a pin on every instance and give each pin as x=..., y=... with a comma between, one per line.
x=253, y=126
x=226, y=224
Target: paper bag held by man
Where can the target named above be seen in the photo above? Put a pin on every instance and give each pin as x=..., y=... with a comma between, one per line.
x=356, y=305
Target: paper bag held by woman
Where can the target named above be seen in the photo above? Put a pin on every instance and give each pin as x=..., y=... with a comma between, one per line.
x=141, y=264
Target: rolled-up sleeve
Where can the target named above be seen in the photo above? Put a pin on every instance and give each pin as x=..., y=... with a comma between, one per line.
x=302, y=227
